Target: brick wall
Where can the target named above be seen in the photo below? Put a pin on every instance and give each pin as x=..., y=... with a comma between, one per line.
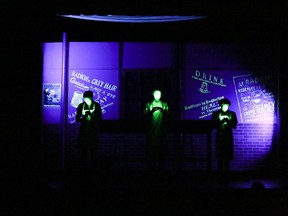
x=255, y=149
x=256, y=146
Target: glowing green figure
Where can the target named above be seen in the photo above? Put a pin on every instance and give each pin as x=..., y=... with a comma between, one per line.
x=156, y=113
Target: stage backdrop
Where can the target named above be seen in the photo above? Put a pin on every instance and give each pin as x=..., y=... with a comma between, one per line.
x=245, y=74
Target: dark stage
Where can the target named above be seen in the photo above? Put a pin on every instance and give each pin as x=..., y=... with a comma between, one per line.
x=148, y=193
x=31, y=189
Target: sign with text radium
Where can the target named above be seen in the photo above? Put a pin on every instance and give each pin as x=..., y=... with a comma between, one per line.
x=252, y=96
x=104, y=85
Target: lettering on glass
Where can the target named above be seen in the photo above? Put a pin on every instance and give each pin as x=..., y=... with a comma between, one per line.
x=104, y=91
x=255, y=97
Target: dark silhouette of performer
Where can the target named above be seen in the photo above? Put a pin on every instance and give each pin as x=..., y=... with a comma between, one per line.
x=89, y=115
x=156, y=113
x=224, y=121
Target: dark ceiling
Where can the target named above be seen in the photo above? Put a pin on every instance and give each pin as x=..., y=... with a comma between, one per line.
x=226, y=20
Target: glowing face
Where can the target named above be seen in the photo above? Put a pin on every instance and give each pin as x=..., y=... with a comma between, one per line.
x=225, y=107
x=157, y=95
x=88, y=101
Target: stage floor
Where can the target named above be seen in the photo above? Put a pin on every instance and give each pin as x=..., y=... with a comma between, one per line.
x=151, y=193
x=171, y=179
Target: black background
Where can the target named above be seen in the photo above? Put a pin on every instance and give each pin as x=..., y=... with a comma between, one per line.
x=25, y=25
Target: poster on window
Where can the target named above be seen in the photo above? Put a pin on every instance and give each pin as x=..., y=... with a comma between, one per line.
x=202, y=89
x=256, y=98
x=252, y=96
x=103, y=84
x=51, y=94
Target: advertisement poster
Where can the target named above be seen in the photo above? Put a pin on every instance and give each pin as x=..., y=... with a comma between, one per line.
x=252, y=96
x=202, y=91
x=104, y=85
x=256, y=98
x=51, y=94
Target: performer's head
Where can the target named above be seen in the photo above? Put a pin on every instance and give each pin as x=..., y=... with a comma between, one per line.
x=157, y=94
x=225, y=104
x=88, y=97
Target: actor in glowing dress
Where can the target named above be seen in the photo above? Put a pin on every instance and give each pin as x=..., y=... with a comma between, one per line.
x=156, y=113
